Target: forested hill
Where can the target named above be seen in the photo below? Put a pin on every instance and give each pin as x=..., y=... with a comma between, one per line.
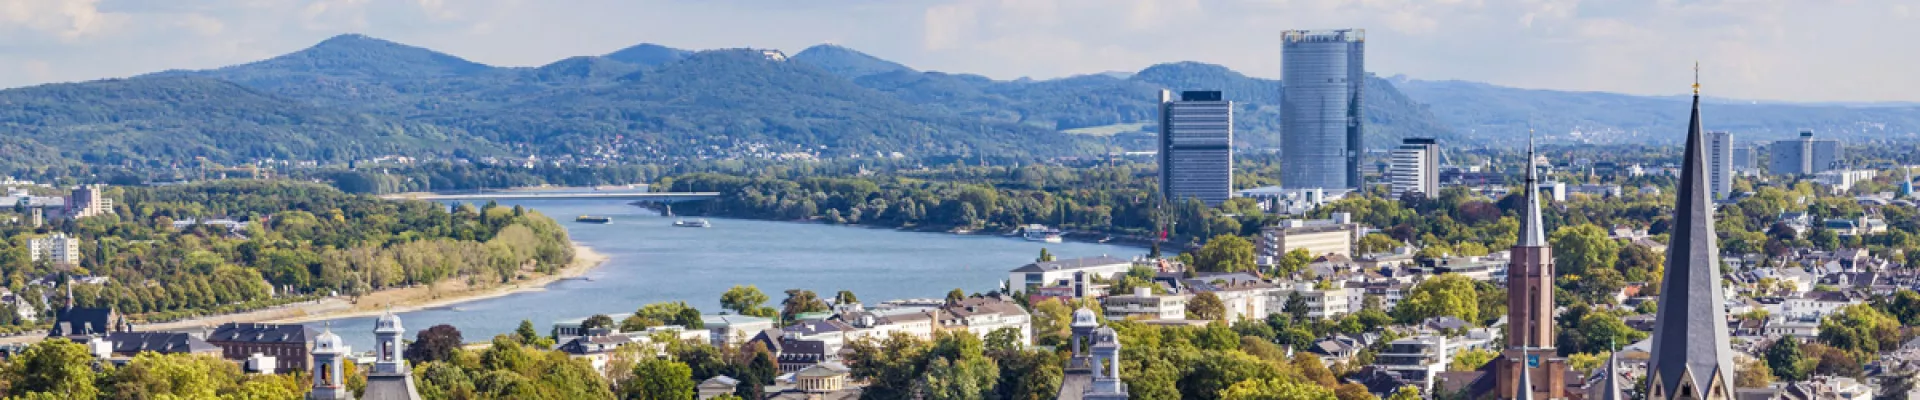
x=157, y=121
x=358, y=96
x=1500, y=113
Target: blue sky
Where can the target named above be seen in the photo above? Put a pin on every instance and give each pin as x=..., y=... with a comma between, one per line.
x=1797, y=50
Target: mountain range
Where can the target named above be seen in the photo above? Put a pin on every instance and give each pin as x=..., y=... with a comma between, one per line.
x=354, y=96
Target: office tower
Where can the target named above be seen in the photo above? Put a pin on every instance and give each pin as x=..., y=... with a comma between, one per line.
x=1720, y=163
x=1530, y=337
x=1692, y=357
x=1323, y=75
x=87, y=201
x=1196, y=147
x=1415, y=168
x=1743, y=158
x=1804, y=156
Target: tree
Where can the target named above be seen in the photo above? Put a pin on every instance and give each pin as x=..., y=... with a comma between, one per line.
x=1860, y=330
x=845, y=297
x=1294, y=261
x=1275, y=389
x=660, y=379
x=1377, y=243
x=1445, y=295
x=955, y=296
x=436, y=343
x=1408, y=392
x=1753, y=374
x=595, y=321
x=746, y=300
x=1206, y=306
x=1225, y=253
x=1786, y=360
x=1580, y=247
x=1044, y=255
x=800, y=301
x=1471, y=360
x=527, y=335
x=58, y=367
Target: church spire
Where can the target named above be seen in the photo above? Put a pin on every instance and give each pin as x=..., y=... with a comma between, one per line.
x=1532, y=228
x=1691, y=358
x=1523, y=389
x=1611, y=388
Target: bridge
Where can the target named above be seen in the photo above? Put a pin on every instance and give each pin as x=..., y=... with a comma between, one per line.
x=660, y=197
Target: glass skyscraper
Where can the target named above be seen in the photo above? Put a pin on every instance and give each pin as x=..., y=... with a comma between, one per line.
x=1323, y=74
x=1196, y=147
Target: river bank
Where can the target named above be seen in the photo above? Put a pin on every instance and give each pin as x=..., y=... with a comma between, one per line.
x=451, y=293
x=398, y=299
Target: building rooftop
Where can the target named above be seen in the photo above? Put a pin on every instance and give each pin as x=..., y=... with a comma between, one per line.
x=1072, y=264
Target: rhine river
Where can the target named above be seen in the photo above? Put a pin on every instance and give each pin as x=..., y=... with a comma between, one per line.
x=649, y=260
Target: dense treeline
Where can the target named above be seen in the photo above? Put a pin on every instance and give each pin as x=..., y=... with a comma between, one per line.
x=301, y=240
x=1118, y=200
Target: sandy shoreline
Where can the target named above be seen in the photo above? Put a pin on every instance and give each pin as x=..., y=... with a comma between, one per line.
x=416, y=298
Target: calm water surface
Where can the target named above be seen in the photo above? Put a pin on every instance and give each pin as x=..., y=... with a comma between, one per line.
x=649, y=260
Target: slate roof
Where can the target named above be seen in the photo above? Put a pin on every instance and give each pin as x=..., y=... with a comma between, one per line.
x=158, y=342
x=261, y=333
x=1690, y=331
x=81, y=321
x=390, y=387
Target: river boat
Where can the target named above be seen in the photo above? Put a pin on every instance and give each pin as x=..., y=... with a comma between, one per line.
x=593, y=219
x=696, y=223
x=1041, y=233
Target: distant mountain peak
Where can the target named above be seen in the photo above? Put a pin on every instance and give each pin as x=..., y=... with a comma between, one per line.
x=648, y=54
x=357, y=54
x=847, y=62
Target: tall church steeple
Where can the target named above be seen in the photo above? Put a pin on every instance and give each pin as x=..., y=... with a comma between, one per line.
x=1530, y=307
x=1691, y=358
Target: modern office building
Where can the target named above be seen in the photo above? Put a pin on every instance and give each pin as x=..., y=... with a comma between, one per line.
x=1196, y=147
x=1415, y=168
x=1323, y=74
x=1804, y=156
x=1720, y=164
x=1743, y=159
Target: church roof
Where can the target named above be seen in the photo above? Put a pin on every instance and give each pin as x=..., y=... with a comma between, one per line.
x=1690, y=339
x=1532, y=226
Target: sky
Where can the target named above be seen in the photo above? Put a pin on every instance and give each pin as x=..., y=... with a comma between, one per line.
x=1788, y=50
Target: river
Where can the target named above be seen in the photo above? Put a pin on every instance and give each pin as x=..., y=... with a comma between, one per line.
x=649, y=261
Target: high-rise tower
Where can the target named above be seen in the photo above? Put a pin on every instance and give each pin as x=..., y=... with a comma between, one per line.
x=1323, y=75
x=1529, y=356
x=1691, y=358
x=1720, y=164
x=1196, y=147
x=1415, y=168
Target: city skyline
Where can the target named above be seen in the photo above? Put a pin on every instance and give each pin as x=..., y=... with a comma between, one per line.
x=1752, y=48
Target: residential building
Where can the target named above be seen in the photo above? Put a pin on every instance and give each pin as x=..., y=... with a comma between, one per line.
x=1720, y=164
x=1283, y=201
x=1142, y=304
x=1324, y=302
x=1321, y=108
x=1804, y=156
x=286, y=343
x=1415, y=168
x=56, y=249
x=983, y=315
x=1318, y=237
x=734, y=329
x=123, y=346
x=1196, y=147
x=89, y=200
x=1062, y=272
x=1416, y=359
x=1839, y=181
x=1245, y=296
x=880, y=324
x=1691, y=356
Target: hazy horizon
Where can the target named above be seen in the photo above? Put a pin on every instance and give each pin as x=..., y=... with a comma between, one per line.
x=1749, y=49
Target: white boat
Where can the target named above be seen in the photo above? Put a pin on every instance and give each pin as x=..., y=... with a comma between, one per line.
x=698, y=223
x=1041, y=233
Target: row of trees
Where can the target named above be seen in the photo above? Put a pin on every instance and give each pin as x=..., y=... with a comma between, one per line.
x=300, y=240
